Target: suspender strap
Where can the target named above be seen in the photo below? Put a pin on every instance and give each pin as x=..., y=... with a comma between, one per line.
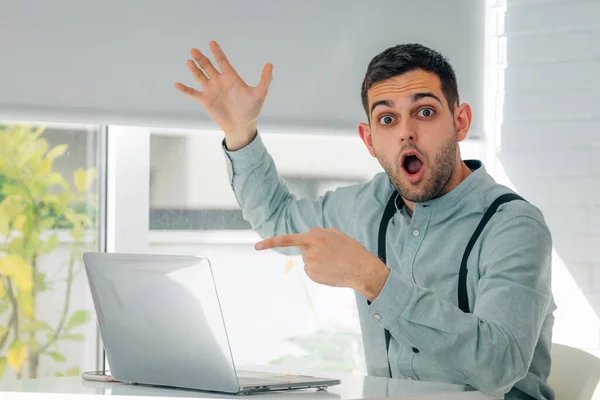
x=394, y=203
x=463, y=299
x=388, y=213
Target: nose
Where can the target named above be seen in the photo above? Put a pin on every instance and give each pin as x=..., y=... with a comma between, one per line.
x=408, y=132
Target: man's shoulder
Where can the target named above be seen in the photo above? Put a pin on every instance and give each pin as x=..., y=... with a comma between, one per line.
x=521, y=210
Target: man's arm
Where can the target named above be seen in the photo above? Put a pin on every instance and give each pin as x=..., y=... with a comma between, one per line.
x=268, y=205
x=235, y=106
x=491, y=348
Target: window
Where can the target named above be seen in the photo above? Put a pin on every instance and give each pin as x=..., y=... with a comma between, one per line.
x=48, y=217
x=273, y=312
x=75, y=185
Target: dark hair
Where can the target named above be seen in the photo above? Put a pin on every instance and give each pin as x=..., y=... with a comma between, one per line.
x=403, y=58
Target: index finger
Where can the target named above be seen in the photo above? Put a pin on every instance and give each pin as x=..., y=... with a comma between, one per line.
x=298, y=239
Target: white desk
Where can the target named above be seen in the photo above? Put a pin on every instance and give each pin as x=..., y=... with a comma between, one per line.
x=351, y=388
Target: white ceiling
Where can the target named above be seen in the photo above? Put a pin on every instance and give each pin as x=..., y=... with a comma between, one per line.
x=115, y=61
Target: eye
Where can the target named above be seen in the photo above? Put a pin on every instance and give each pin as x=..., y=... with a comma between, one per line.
x=426, y=112
x=386, y=119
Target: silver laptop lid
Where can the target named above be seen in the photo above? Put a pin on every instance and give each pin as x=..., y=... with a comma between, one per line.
x=161, y=321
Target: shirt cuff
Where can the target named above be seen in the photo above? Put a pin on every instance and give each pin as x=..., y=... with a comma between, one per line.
x=391, y=301
x=245, y=158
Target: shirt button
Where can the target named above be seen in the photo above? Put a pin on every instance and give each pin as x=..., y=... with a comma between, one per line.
x=416, y=232
x=377, y=316
x=415, y=350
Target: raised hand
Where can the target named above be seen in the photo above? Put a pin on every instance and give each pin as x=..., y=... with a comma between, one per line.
x=229, y=101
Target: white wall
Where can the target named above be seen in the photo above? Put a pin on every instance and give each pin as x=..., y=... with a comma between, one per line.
x=550, y=144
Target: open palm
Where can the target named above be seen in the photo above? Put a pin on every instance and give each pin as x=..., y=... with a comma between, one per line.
x=229, y=101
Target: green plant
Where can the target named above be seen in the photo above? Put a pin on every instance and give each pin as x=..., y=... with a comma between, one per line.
x=35, y=201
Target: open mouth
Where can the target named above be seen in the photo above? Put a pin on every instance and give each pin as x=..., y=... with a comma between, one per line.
x=412, y=164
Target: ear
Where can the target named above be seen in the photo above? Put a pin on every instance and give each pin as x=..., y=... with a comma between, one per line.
x=462, y=118
x=365, y=134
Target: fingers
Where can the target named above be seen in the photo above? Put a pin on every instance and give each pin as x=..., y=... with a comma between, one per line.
x=188, y=91
x=196, y=72
x=283, y=241
x=220, y=57
x=265, y=80
x=204, y=62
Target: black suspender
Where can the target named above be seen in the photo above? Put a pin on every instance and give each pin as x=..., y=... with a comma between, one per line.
x=463, y=300
x=395, y=203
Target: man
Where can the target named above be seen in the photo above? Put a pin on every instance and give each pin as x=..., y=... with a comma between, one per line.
x=425, y=313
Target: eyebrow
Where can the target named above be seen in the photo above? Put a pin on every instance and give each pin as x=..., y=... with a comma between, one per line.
x=419, y=96
x=415, y=97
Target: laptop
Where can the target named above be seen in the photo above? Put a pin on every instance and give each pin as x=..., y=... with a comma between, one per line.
x=161, y=323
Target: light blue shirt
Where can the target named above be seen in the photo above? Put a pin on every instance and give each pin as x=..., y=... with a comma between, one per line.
x=503, y=346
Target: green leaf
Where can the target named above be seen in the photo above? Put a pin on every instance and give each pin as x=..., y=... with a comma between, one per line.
x=80, y=317
x=4, y=223
x=73, y=371
x=58, y=357
x=16, y=245
x=38, y=132
x=9, y=189
x=18, y=269
x=36, y=326
x=40, y=284
x=34, y=243
x=25, y=300
x=50, y=244
x=12, y=204
x=16, y=354
x=85, y=219
x=46, y=223
x=19, y=222
x=59, y=374
x=83, y=179
x=71, y=216
x=55, y=178
x=40, y=148
x=2, y=366
x=77, y=232
x=78, y=337
x=57, y=151
x=44, y=167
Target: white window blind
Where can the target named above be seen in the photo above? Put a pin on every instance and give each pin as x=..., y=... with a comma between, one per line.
x=115, y=62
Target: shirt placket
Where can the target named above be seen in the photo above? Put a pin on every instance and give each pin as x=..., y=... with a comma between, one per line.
x=414, y=239
x=396, y=241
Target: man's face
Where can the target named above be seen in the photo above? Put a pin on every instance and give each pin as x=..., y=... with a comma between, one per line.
x=412, y=133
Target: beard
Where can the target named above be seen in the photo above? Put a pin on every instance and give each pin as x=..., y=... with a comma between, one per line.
x=435, y=178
